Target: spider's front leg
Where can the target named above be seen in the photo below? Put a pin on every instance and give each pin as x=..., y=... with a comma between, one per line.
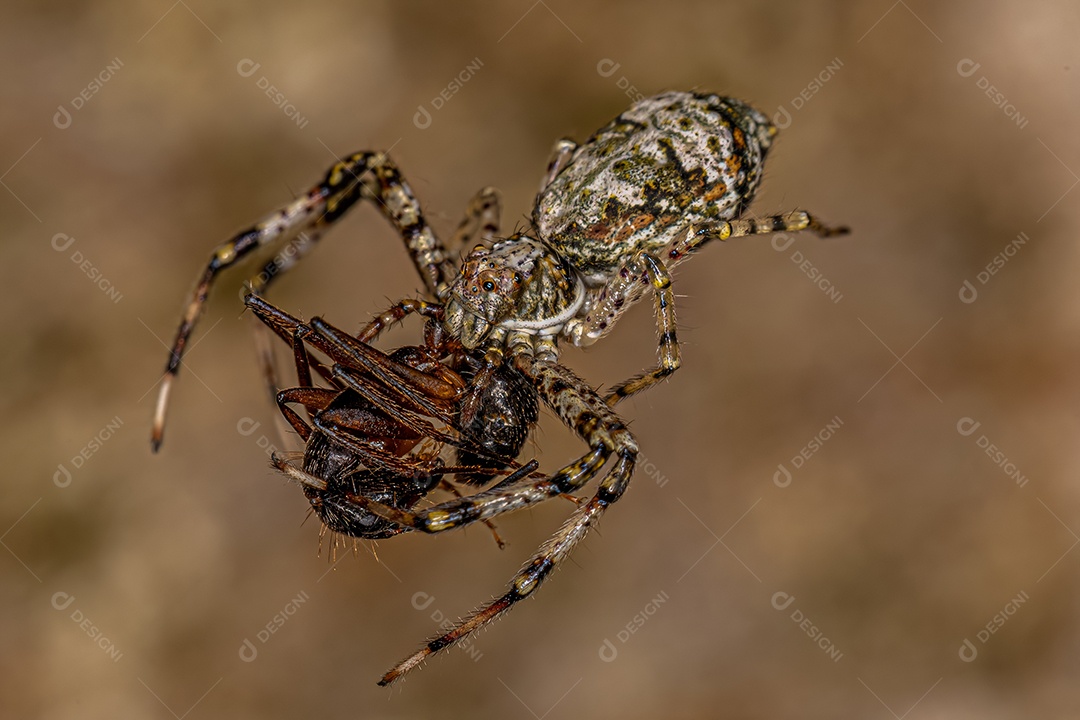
x=582, y=409
x=361, y=176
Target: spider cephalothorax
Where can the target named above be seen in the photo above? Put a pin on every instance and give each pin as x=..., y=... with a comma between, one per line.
x=519, y=284
x=613, y=217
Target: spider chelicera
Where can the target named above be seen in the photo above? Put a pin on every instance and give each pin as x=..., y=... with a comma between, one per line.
x=613, y=217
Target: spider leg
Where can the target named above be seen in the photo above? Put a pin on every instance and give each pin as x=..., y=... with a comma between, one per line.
x=284, y=260
x=560, y=156
x=450, y=488
x=481, y=217
x=643, y=269
x=361, y=176
x=698, y=235
x=582, y=409
x=502, y=498
x=612, y=300
x=396, y=314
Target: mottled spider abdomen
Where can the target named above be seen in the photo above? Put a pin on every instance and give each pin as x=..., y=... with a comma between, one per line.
x=667, y=162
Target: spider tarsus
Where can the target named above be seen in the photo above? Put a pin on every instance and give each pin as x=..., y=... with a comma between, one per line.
x=157, y=431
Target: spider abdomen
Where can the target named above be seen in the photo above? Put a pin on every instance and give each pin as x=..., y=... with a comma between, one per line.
x=668, y=161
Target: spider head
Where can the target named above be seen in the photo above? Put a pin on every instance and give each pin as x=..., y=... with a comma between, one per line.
x=482, y=296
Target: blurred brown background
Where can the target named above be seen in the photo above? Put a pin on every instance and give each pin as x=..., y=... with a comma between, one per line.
x=865, y=582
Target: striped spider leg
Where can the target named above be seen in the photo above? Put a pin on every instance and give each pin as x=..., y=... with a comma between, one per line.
x=581, y=408
x=294, y=229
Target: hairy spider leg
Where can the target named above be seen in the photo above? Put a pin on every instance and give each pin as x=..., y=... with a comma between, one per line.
x=481, y=221
x=633, y=279
x=362, y=176
x=583, y=410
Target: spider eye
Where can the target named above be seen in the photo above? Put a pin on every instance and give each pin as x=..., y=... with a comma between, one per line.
x=517, y=278
x=489, y=286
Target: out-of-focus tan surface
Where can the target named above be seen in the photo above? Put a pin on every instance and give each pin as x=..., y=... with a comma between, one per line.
x=902, y=567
